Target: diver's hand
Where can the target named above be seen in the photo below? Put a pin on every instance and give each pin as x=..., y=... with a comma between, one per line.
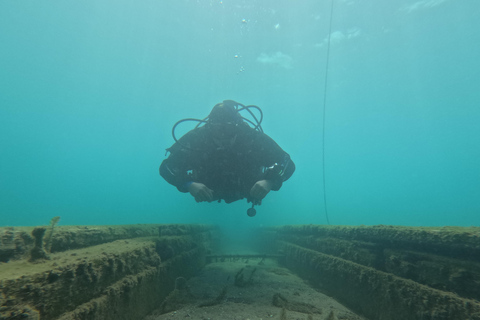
x=200, y=192
x=260, y=189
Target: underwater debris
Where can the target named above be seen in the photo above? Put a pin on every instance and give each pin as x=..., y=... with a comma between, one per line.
x=239, y=282
x=240, y=278
x=219, y=299
x=279, y=300
x=331, y=316
x=283, y=314
x=178, y=297
x=282, y=302
x=49, y=236
x=180, y=283
x=171, y=302
x=37, y=251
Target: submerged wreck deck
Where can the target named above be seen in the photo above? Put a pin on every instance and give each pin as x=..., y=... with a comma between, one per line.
x=144, y=271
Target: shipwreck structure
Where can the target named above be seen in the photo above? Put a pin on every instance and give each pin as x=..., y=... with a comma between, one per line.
x=124, y=272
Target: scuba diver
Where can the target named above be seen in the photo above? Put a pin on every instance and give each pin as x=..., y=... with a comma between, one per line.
x=227, y=157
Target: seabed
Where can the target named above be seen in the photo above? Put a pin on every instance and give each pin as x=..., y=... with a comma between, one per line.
x=177, y=271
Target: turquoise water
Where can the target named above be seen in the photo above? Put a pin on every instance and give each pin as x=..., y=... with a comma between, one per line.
x=89, y=92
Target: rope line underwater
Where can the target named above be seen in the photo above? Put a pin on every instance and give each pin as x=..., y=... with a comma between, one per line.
x=324, y=112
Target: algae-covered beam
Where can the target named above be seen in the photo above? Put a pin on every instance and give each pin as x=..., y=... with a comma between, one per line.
x=457, y=242
x=16, y=242
x=376, y=294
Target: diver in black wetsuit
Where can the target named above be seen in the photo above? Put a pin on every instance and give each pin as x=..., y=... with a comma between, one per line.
x=226, y=158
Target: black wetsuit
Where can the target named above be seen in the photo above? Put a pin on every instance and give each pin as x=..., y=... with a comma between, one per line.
x=228, y=159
